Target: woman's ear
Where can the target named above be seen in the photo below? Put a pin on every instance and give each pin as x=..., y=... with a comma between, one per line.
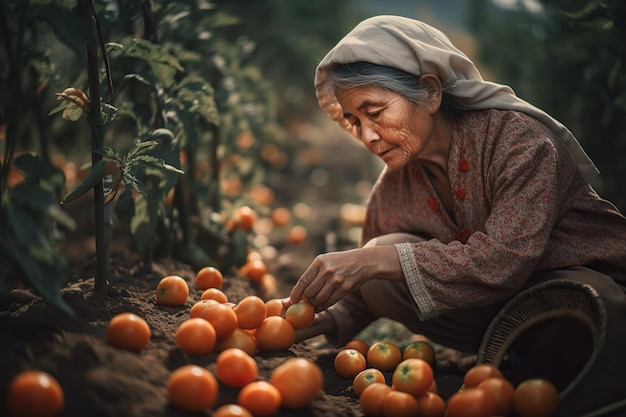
x=432, y=84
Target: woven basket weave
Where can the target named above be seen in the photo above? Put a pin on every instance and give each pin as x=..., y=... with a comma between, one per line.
x=548, y=300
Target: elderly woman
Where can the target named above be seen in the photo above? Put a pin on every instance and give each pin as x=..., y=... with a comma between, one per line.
x=482, y=195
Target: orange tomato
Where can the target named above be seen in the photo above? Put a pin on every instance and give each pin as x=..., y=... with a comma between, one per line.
x=297, y=234
x=431, y=404
x=196, y=336
x=274, y=307
x=245, y=217
x=235, y=368
x=478, y=373
x=238, y=339
x=298, y=380
x=261, y=398
x=223, y=319
x=281, y=216
x=172, y=291
x=209, y=277
x=199, y=307
x=128, y=331
x=399, y=404
x=420, y=350
x=371, y=399
x=275, y=333
x=251, y=312
x=501, y=391
x=471, y=402
x=414, y=376
x=360, y=345
x=300, y=315
x=34, y=394
x=384, y=356
x=192, y=388
x=214, y=294
x=535, y=397
x=367, y=377
x=349, y=362
x=254, y=270
x=231, y=410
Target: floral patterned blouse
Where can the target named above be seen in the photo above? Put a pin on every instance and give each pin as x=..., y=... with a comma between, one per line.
x=520, y=205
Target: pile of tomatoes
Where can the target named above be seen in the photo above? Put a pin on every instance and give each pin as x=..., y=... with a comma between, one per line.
x=412, y=389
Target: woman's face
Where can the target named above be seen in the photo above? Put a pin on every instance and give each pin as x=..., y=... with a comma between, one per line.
x=388, y=124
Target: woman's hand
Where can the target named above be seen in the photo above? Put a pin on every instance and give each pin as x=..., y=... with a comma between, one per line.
x=332, y=276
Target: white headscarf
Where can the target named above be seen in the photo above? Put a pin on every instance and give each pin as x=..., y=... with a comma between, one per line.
x=417, y=48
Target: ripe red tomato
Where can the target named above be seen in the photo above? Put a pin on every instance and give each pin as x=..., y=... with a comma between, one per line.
x=384, y=356
x=414, y=376
x=349, y=362
x=236, y=368
x=261, y=398
x=501, y=391
x=275, y=333
x=535, y=398
x=400, y=404
x=128, y=331
x=478, y=373
x=300, y=315
x=34, y=394
x=431, y=405
x=471, y=402
x=192, y=388
x=172, y=291
x=196, y=336
x=367, y=377
x=250, y=311
x=371, y=399
x=420, y=350
x=299, y=382
x=209, y=277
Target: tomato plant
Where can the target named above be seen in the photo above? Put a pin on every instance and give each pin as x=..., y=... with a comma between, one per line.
x=298, y=380
x=231, y=410
x=172, y=291
x=414, y=376
x=222, y=318
x=209, y=277
x=192, y=388
x=214, y=294
x=501, y=391
x=34, y=394
x=250, y=311
x=399, y=404
x=300, y=315
x=384, y=355
x=128, y=331
x=275, y=333
x=471, y=402
x=196, y=336
x=420, y=349
x=360, y=345
x=238, y=339
x=431, y=404
x=478, y=373
x=367, y=377
x=261, y=398
x=371, y=399
x=535, y=397
x=349, y=362
x=236, y=368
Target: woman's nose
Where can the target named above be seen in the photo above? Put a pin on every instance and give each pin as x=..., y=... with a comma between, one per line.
x=368, y=134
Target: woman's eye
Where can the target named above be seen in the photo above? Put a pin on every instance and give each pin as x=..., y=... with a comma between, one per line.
x=375, y=114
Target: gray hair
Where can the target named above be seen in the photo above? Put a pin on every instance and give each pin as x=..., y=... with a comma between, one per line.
x=362, y=74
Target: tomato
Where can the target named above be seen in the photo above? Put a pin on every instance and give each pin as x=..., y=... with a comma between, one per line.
x=384, y=356
x=431, y=405
x=235, y=368
x=349, y=362
x=281, y=216
x=192, y=388
x=197, y=309
x=214, y=294
x=297, y=234
x=222, y=318
x=251, y=311
x=478, y=373
x=128, y=331
x=231, y=410
x=433, y=387
x=195, y=336
x=471, y=402
x=399, y=404
x=261, y=398
x=367, y=377
x=535, y=397
x=275, y=333
x=360, y=345
x=420, y=350
x=371, y=399
x=269, y=286
x=209, y=277
x=172, y=291
x=245, y=217
x=238, y=339
x=34, y=394
x=300, y=315
x=501, y=391
x=298, y=380
x=274, y=307
x=414, y=376
x=254, y=270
